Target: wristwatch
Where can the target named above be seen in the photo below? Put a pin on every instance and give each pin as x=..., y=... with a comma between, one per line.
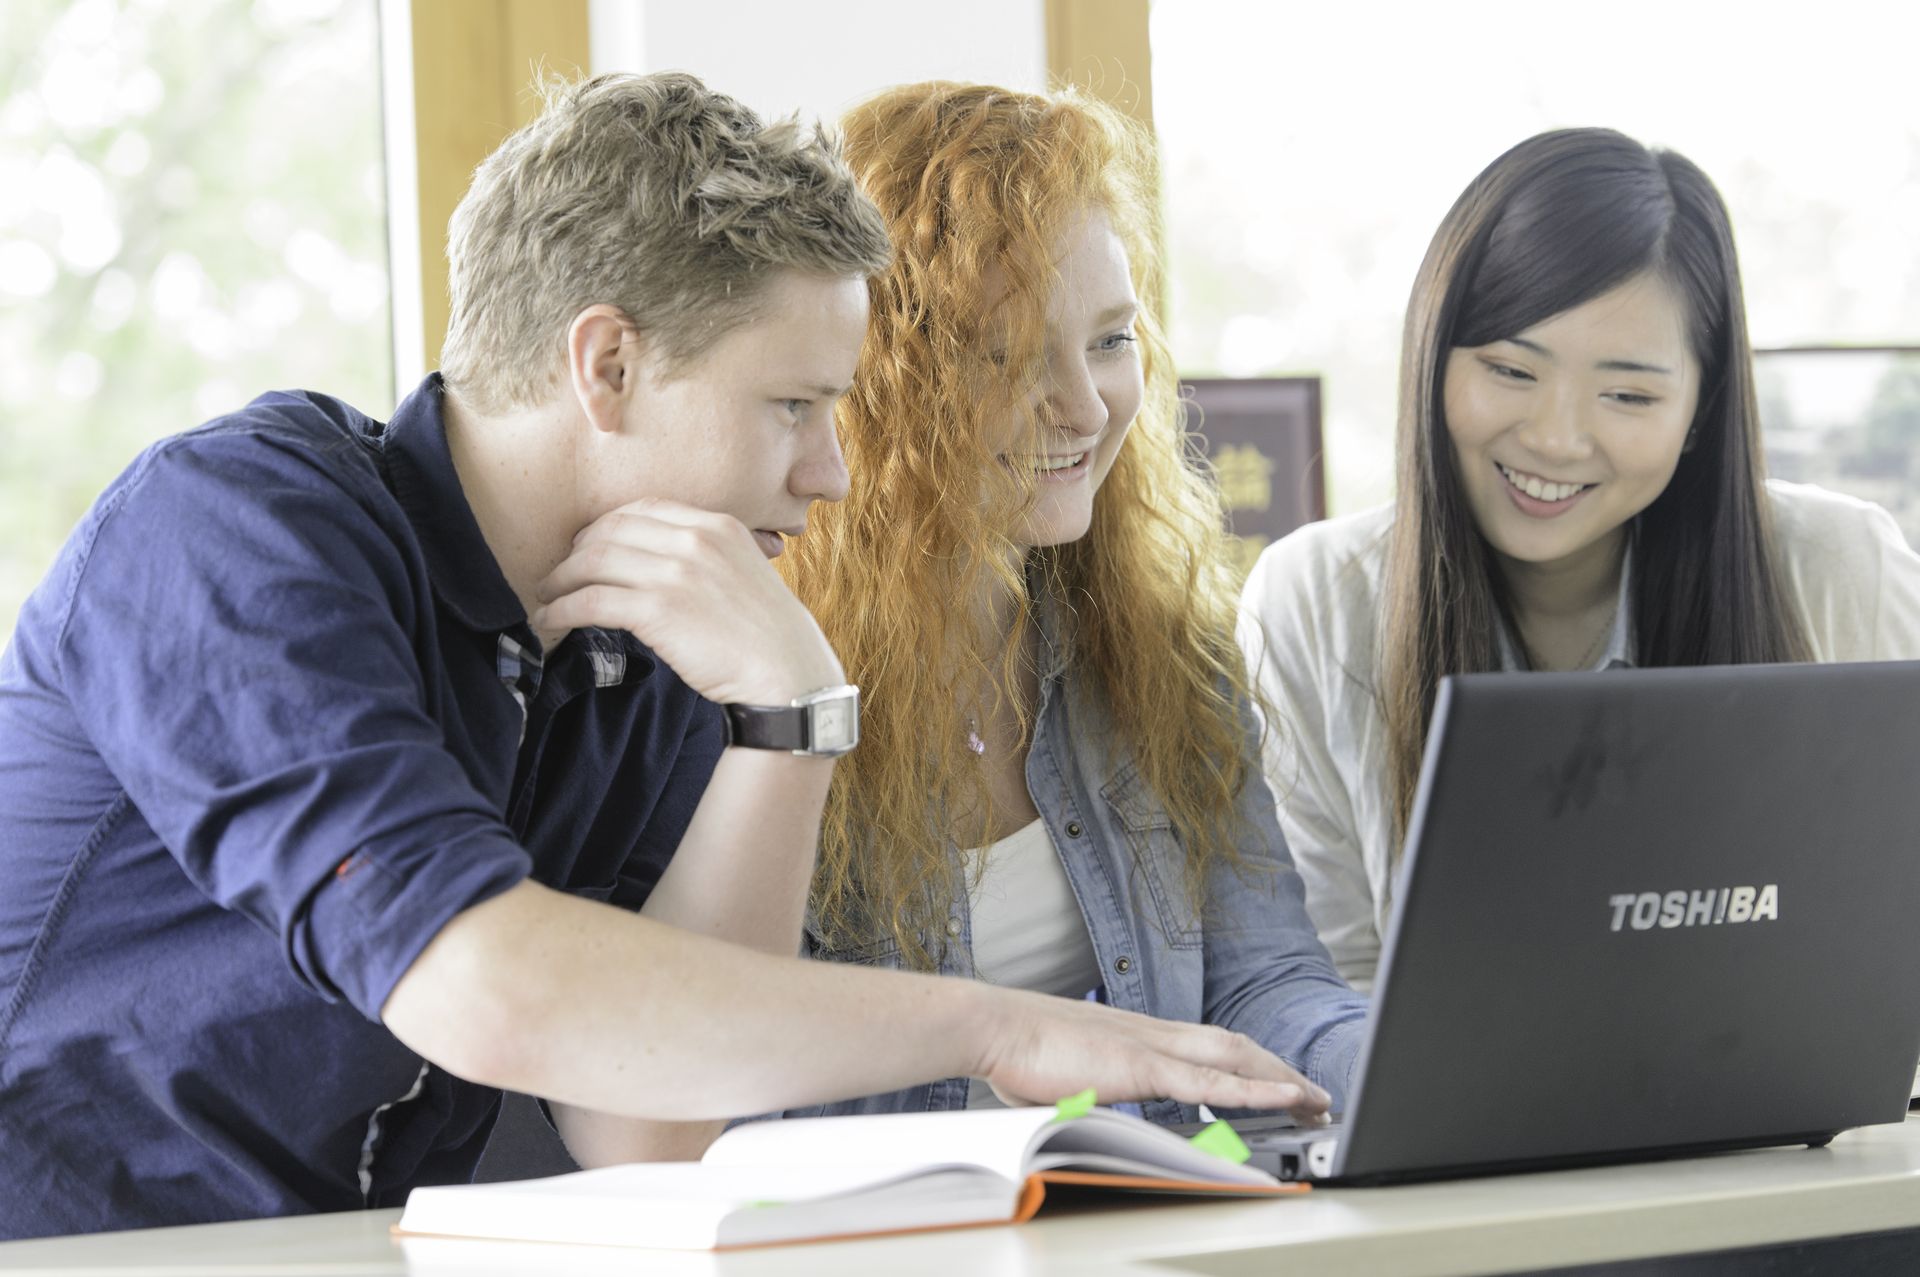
x=822, y=724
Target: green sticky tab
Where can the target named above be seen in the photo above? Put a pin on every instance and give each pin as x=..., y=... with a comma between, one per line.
x=1222, y=1141
x=762, y=1205
x=1074, y=1106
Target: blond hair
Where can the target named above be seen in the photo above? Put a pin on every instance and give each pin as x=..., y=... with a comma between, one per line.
x=977, y=185
x=652, y=193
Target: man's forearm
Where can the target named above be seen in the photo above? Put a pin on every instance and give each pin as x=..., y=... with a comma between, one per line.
x=536, y=991
x=596, y=1008
x=741, y=871
x=740, y=874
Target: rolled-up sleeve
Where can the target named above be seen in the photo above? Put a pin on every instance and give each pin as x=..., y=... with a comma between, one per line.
x=243, y=643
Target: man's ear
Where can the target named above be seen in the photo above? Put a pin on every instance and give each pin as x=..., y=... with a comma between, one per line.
x=603, y=364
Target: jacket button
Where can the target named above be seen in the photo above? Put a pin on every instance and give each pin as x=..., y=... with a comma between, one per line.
x=1123, y=964
x=953, y=926
x=1073, y=829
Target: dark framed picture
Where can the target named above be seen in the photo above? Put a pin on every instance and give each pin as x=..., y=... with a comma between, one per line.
x=1262, y=437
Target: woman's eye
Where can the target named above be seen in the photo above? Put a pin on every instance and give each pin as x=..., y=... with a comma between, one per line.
x=1632, y=400
x=1507, y=372
x=797, y=407
x=1114, y=343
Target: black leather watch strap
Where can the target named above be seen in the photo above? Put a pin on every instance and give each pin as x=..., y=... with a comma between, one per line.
x=766, y=726
x=822, y=724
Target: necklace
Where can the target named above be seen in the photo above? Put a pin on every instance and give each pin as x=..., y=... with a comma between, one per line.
x=974, y=743
x=1600, y=639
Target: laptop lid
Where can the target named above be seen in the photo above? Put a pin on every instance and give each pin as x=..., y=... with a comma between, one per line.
x=1648, y=911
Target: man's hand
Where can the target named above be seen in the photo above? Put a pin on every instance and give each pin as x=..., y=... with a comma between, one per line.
x=1047, y=1047
x=696, y=588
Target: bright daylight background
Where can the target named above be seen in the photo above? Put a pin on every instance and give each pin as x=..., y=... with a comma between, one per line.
x=191, y=203
x=1311, y=150
x=191, y=212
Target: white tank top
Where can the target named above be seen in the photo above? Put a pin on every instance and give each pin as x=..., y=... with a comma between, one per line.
x=1028, y=932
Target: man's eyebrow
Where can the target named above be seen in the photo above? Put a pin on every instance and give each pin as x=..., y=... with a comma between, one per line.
x=1604, y=365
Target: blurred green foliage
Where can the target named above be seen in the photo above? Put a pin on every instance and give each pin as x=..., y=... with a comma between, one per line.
x=192, y=211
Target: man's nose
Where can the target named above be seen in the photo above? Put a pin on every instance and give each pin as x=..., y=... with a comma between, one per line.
x=820, y=473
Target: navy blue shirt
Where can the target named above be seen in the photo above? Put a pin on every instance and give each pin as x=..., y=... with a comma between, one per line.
x=273, y=718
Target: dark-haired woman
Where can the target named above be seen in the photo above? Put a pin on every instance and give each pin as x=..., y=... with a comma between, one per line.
x=1580, y=487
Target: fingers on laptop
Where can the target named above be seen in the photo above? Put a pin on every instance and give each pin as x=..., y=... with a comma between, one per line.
x=1220, y=1068
x=1203, y=1064
x=1050, y=1047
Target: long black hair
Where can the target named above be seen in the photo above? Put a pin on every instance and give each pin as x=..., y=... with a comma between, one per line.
x=1555, y=222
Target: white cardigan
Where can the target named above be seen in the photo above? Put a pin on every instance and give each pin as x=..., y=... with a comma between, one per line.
x=1309, y=624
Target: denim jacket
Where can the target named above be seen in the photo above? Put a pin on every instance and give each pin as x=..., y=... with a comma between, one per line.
x=1255, y=965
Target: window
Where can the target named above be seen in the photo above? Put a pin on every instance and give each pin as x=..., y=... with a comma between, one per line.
x=1311, y=150
x=191, y=212
x=1847, y=420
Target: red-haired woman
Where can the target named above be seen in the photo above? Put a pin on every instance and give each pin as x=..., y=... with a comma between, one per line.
x=1058, y=785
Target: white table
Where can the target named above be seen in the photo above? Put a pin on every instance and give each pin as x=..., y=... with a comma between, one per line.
x=1866, y=1181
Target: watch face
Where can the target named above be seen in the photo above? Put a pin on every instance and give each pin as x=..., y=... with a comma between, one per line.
x=833, y=725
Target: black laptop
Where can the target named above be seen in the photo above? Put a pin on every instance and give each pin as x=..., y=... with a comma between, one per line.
x=1642, y=914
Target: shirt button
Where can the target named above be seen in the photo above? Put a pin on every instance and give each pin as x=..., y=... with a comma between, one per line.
x=1123, y=964
x=1073, y=829
x=953, y=926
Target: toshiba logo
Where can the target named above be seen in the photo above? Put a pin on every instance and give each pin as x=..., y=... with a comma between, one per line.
x=1708, y=908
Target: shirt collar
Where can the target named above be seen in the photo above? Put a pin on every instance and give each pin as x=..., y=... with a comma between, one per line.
x=1619, y=651
x=466, y=577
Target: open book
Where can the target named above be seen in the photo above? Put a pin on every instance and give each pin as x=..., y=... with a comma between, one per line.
x=784, y=1181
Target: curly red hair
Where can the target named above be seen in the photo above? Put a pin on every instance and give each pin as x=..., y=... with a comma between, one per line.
x=977, y=185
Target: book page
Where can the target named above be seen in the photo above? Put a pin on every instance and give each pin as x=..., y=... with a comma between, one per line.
x=681, y=1205
x=1011, y=1143
x=994, y=1139
x=1107, y=1141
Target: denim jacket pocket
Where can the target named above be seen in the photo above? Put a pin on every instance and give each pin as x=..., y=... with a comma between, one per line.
x=1156, y=855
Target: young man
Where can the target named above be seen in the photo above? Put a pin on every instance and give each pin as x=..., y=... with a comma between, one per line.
x=336, y=757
